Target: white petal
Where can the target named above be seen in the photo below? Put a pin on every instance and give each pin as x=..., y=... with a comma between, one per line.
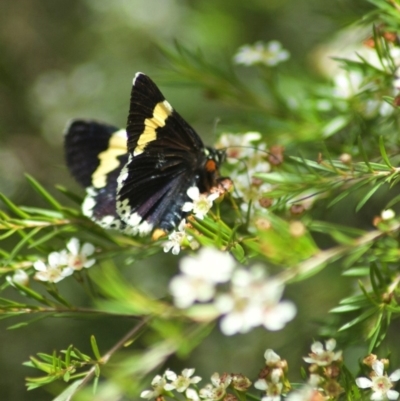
x=67, y=272
x=378, y=367
x=191, y=394
x=271, y=357
x=56, y=259
x=73, y=246
x=146, y=394
x=330, y=344
x=377, y=396
x=40, y=266
x=87, y=249
x=317, y=347
x=363, y=382
x=89, y=263
x=187, y=372
x=193, y=193
x=187, y=207
x=213, y=196
x=169, y=387
x=176, y=249
x=182, y=225
x=395, y=375
x=170, y=375
x=261, y=384
x=392, y=394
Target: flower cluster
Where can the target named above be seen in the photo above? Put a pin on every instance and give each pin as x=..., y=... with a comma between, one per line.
x=355, y=83
x=178, y=239
x=170, y=381
x=246, y=160
x=185, y=383
x=379, y=382
x=199, y=207
x=64, y=263
x=325, y=369
x=322, y=385
x=252, y=298
x=272, y=379
x=269, y=54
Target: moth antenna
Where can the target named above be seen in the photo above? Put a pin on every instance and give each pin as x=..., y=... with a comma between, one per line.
x=217, y=120
x=250, y=147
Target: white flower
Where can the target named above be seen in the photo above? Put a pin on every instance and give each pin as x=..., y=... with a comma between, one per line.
x=55, y=270
x=77, y=258
x=177, y=237
x=201, y=204
x=347, y=83
x=270, y=54
x=274, y=391
x=19, y=277
x=238, y=146
x=158, y=384
x=380, y=384
x=253, y=301
x=388, y=214
x=321, y=356
x=216, y=390
x=271, y=357
x=199, y=276
x=182, y=382
x=309, y=392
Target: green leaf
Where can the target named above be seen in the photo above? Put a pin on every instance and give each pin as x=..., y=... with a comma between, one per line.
x=38, y=188
x=364, y=316
x=95, y=348
x=26, y=238
x=345, y=308
x=15, y=209
x=365, y=199
x=356, y=272
x=364, y=155
x=68, y=393
x=383, y=152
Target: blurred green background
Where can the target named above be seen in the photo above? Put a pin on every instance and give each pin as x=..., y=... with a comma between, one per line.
x=61, y=59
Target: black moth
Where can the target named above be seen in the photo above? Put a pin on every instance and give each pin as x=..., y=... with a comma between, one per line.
x=137, y=180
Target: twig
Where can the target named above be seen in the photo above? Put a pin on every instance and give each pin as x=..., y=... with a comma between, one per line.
x=105, y=358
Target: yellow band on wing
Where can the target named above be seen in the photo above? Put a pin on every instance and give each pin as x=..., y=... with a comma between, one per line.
x=109, y=158
x=160, y=114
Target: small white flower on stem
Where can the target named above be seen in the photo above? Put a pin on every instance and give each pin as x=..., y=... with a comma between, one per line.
x=321, y=356
x=180, y=383
x=19, y=277
x=77, y=258
x=271, y=357
x=157, y=385
x=388, y=214
x=200, y=274
x=380, y=383
x=216, y=390
x=201, y=204
x=270, y=54
x=176, y=239
x=55, y=270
